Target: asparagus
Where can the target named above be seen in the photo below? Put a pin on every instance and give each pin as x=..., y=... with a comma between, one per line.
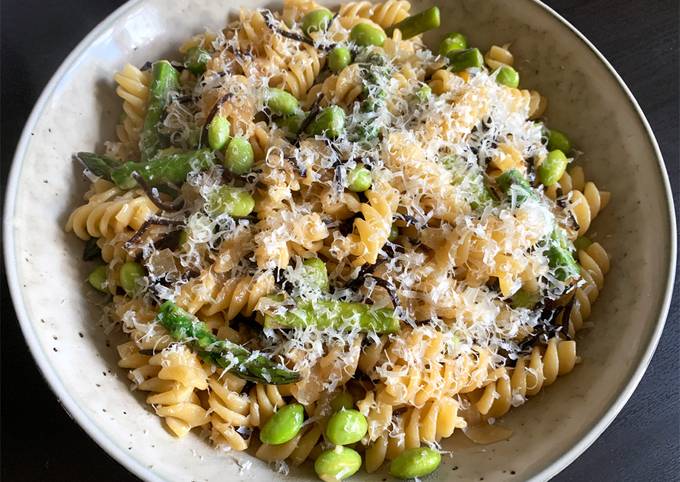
x=101, y=166
x=185, y=327
x=512, y=182
x=339, y=315
x=470, y=175
x=172, y=167
x=165, y=80
x=416, y=24
x=560, y=257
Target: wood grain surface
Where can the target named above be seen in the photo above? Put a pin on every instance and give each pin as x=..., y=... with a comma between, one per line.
x=40, y=442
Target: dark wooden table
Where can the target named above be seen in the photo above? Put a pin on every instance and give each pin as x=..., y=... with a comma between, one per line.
x=639, y=37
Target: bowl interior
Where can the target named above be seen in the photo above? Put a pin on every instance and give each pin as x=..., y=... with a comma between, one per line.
x=64, y=329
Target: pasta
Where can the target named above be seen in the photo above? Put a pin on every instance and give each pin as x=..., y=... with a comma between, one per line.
x=320, y=221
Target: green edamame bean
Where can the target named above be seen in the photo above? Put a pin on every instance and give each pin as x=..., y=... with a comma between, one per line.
x=98, y=278
x=284, y=425
x=364, y=34
x=415, y=462
x=394, y=233
x=359, y=179
x=239, y=156
x=346, y=427
x=337, y=464
x=452, y=42
x=508, y=76
x=558, y=140
x=218, y=132
x=460, y=60
x=196, y=60
x=316, y=272
x=316, y=20
x=424, y=92
x=339, y=58
x=130, y=274
x=281, y=102
x=292, y=123
x=524, y=299
x=582, y=243
x=342, y=400
x=552, y=168
x=235, y=202
x=329, y=122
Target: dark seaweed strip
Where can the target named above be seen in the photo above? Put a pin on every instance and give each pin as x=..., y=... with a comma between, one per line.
x=308, y=120
x=566, y=317
x=91, y=250
x=271, y=24
x=389, y=287
x=213, y=113
x=154, y=195
x=146, y=225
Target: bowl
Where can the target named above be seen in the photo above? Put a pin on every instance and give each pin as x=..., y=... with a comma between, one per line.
x=78, y=110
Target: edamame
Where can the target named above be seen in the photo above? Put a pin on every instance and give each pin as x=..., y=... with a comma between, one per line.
x=339, y=58
x=130, y=275
x=218, y=132
x=337, y=464
x=281, y=102
x=364, y=34
x=233, y=201
x=552, y=168
x=558, y=140
x=284, y=425
x=239, y=156
x=329, y=122
x=359, y=179
x=346, y=427
x=316, y=20
x=415, y=462
x=98, y=278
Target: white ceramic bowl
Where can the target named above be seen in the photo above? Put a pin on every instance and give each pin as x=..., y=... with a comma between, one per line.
x=588, y=100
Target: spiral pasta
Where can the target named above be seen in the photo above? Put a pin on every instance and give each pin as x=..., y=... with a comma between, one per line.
x=594, y=262
x=531, y=373
x=133, y=88
x=373, y=230
x=109, y=213
x=173, y=376
x=586, y=205
x=210, y=294
x=369, y=234
x=230, y=412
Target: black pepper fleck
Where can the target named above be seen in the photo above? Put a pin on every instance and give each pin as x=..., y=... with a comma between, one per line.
x=81, y=335
x=55, y=349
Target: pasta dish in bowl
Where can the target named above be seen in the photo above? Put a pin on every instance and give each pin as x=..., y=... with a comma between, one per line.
x=329, y=242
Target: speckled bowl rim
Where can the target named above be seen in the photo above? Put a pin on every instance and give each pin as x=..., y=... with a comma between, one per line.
x=79, y=415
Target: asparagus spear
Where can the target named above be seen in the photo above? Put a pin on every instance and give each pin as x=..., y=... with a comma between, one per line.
x=101, y=166
x=560, y=257
x=339, y=315
x=185, y=327
x=512, y=181
x=165, y=80
x=172, y=167
x=418, y=23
